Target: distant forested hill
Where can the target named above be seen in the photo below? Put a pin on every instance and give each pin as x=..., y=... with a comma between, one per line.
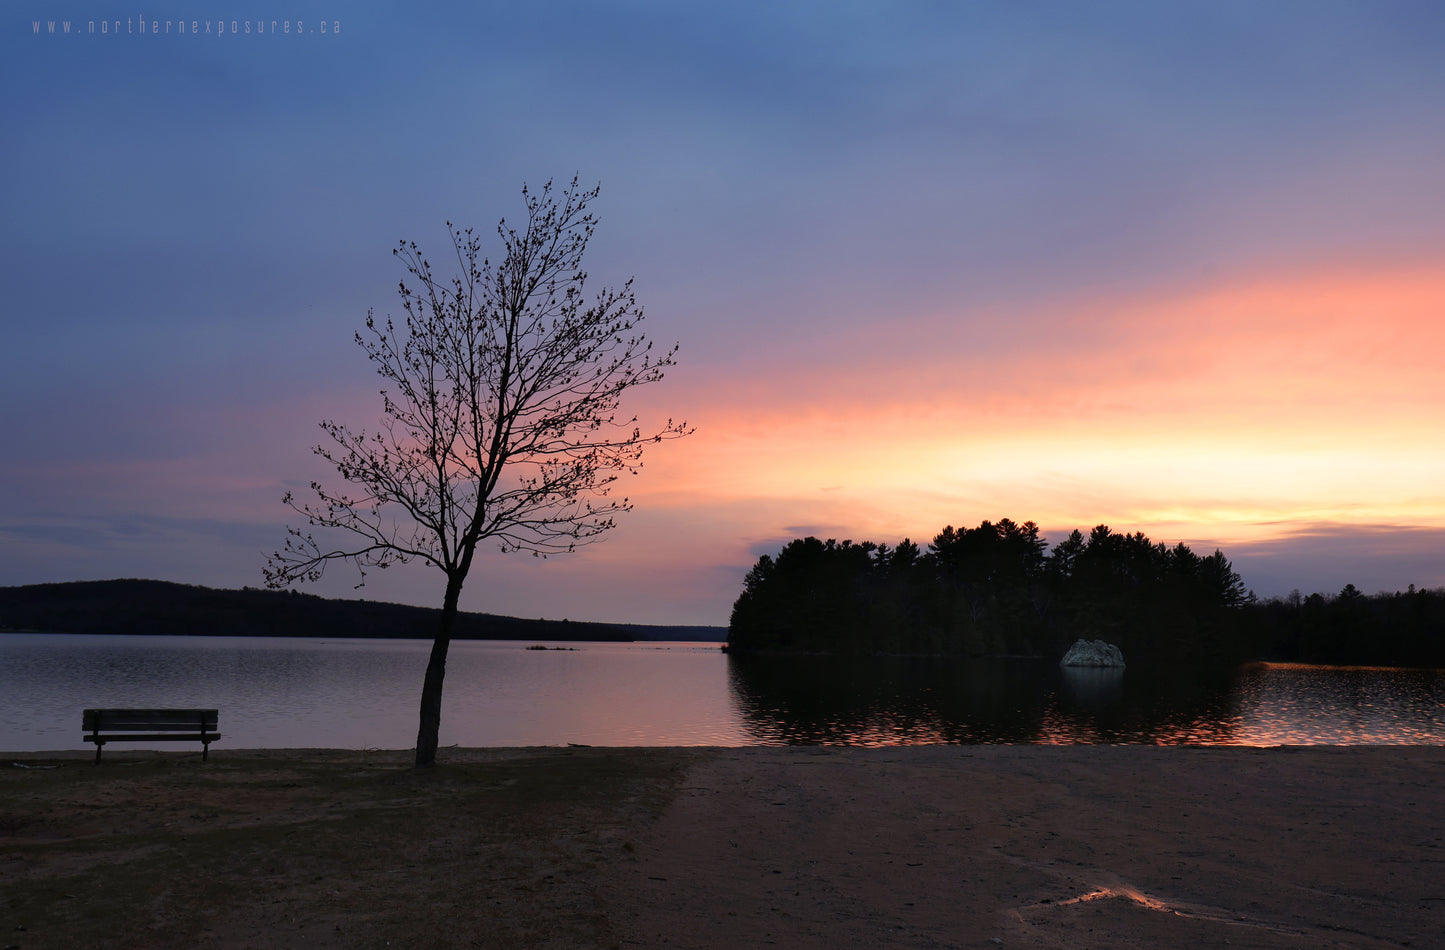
x=161, y=607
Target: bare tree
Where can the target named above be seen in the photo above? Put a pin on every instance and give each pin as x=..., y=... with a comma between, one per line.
x=501, y=418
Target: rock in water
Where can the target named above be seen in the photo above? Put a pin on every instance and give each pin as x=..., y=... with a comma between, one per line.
x=1093, y=653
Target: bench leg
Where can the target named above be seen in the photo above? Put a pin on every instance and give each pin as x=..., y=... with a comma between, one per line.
x=97, y=752
x=205, y=751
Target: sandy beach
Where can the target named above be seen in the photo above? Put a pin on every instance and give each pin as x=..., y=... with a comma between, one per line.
x=939, y=846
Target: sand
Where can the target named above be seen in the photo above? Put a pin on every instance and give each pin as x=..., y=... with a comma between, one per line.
x=1115, y=847
x=973, y=846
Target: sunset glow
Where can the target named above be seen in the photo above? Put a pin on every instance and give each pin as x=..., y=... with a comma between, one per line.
x=1167, y=268
x=1230, y=414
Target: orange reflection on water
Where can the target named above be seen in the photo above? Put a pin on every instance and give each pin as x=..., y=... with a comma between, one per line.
x=1268, y=665
x=1057, y=729
x=1199, y=731
x=886, y=730
x=1306, y=704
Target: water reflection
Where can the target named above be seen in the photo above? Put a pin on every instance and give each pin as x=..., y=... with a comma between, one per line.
x=1093, y=685
x=291, y=692
x=362, y=693
x=1293, y=704
x=905, y=701
x=884, y=701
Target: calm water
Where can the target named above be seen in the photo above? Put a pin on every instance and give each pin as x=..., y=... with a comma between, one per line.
x=275, y=692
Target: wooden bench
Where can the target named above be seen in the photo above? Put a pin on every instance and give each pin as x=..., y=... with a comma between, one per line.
x=151, y=725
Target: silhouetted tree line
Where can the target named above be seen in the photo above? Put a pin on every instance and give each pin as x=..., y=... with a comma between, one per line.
x=992, y=590
x=998, y=590
x=1404, y=628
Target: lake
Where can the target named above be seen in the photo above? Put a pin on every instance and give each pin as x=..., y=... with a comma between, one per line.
x=306, y=693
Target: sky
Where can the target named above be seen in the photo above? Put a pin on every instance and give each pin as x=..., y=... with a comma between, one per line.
x=1170, y=267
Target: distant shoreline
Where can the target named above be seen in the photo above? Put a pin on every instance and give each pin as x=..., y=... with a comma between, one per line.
x=720, y=638
x=163, y=608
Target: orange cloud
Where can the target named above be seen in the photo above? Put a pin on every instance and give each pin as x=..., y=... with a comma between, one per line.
x=1301, y=398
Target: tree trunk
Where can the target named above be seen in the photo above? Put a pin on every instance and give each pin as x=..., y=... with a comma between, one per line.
x=436, y=671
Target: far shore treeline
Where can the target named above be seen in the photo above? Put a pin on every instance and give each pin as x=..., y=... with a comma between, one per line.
x=164, y=608
x=998, y=590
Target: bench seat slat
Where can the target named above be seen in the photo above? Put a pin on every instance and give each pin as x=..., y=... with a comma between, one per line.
x=194, y=725
x=156, y=737
x=147, y=718
x=150, y=725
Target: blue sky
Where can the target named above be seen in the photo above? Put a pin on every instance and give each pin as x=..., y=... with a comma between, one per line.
x=928, y=263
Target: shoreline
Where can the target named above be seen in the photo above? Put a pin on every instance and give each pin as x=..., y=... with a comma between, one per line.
x=711, y=847
x=117, y=749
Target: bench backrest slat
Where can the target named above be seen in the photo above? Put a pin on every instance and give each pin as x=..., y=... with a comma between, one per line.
x=143, y=720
